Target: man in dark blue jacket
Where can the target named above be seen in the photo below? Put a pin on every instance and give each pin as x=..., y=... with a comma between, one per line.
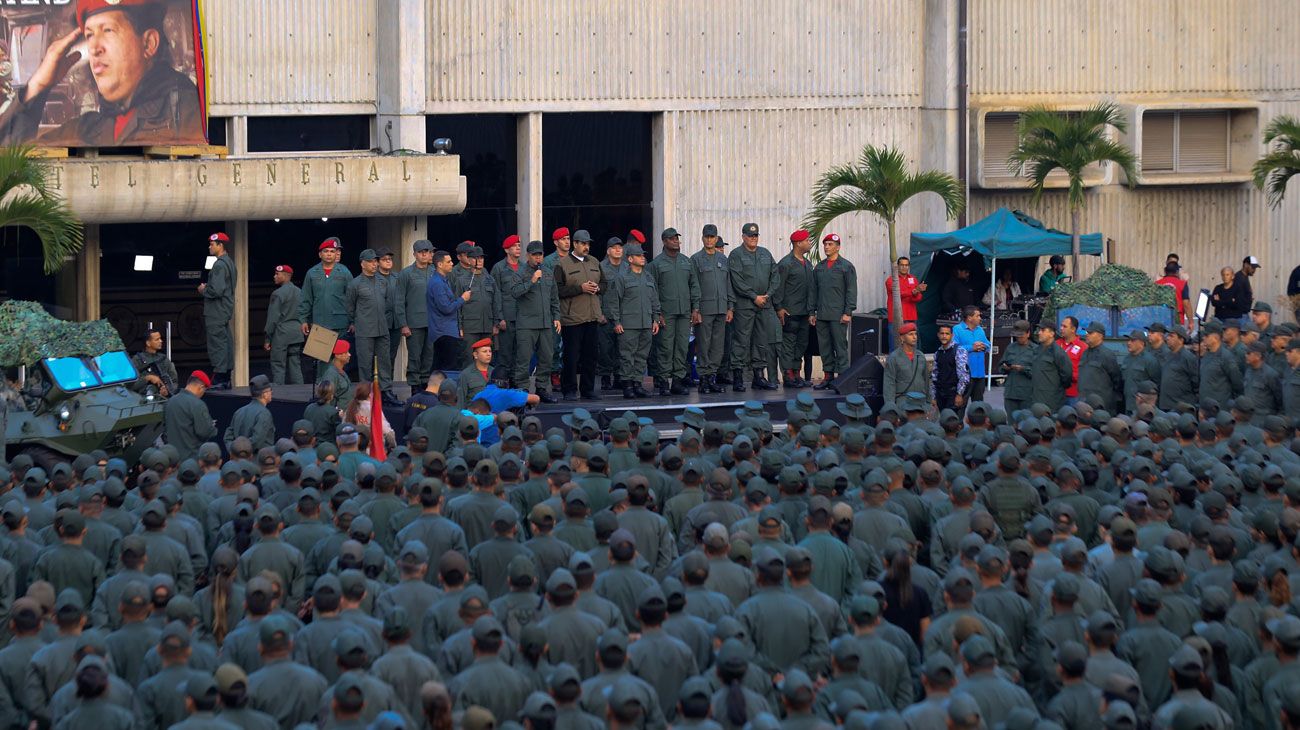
x=444, y=331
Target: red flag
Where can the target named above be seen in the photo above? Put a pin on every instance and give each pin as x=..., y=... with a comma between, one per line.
x=377, y=418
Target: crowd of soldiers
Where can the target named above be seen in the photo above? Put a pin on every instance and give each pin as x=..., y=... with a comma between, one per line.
x=1051, y=567
x=601, y=324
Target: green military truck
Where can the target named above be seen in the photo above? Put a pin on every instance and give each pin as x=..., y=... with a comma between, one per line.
x=70, y=388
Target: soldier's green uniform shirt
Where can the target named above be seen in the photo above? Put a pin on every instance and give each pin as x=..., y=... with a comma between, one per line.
x=324, y=298
x=218, y=309
x=905, y=374
x=1012, y=501
x=254, y=421
x=785, y=632
x=504, y=275
x=1137, y=368
x=69, y=566
x=1220, y=376
x=1263, y=386
x=794, y=294
x=342, y=387
x=283, y=331
x=287, y=691
x=367, y=306
x=752, y=273
x=483, y=310
x=143, y=359
x=679, y=296
x=716, y=297
x=1179, y=380
x=1019, y=385
x=1291, y=393
x=537, y=309
x=1051, y=372
x=996, y=696
x=634, y=304
x=97, y=714
x=836, y=287
x=1100, y=374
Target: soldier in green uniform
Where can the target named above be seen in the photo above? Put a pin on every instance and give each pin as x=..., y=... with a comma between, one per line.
x=1219, y=373
x=334, y=375
x=609, y=368
x=218, y=309
x=754, y=279
x=717, y=301
x=1291, y=382
x=476, y=376
x=906, y=369
x=679, y=307
x=537, y=321
x=1137, y=366
x=1050, y=370
x=1016, y=362
x=284, y=689
x=785, y=631
x=835, y=286
x=186, y=420
x=1261, y=384
x=560, y=239
x=1180, y=373
x=464, y=264
x=794, y=302
x=154, y=367
x=367, y=302
x=389, y=277
x=1099, y=371
x=481, y=315
x=505, y=272
x=634, y=310
x=284, y=336
x=324, y=294
x=253, y=421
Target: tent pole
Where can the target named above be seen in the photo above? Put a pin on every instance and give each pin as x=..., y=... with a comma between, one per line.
x=993, y=317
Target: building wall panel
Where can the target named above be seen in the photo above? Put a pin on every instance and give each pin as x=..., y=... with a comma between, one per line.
x=730, y=168
x=539, y=54
x=280, y=56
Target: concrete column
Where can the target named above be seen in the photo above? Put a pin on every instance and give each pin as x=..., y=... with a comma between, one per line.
x=88, y=268
x=939, y=103
x=237, y=136
x=528, y=142
x=238, y=232
x=400, y=82
x=663, y=156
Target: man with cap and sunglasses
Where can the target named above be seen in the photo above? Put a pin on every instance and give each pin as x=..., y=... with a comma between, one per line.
x=578, y=282
x=506, y=272
x=324, y=293
x=284, y=336
x=717, y=301
x=186, y=420
x=609, y=368
x=481, y=316
x=537, y=321
x=218, y=294
x=754, y=279
x=679, y=308
x=367, y=302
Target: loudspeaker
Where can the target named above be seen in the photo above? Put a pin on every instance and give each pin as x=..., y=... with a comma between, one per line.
x=865, y=376
x=867, y=336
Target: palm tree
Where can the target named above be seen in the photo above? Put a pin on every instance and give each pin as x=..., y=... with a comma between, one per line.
x=1274, y=170
x=1070, y=141
x=879, y=182
x=27, y=198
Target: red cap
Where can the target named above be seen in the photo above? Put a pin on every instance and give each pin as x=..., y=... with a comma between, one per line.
x=799, y=235
x=341, y=347
x=511, y=240
x=87, y=8
x=908, y=327
x=559, y=233
x=485, y=342
x=330, y=242
x=202, y=377
x=219, y=236
x=284, y=269
x=636, y=235
x=832, y=237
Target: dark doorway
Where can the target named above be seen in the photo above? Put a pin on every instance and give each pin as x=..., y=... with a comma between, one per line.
x=22, y=274
x=489, y=161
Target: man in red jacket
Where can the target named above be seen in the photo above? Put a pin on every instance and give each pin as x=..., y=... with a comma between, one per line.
x=910, y=291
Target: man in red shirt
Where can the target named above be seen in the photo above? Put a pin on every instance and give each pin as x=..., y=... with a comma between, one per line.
x=1074, y=347
x=910, y=291
x=1182, y=294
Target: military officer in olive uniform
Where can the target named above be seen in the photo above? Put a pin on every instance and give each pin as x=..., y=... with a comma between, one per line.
x=1016, y=363
x=1219, y=372
x=284, y=336
x=481, y=316
x=793, y=301
x=367, y=302
x=218, y=310
x=537, y=321
x=412, y=313
x=716, y=308
x=615, y=263
x=186, y=420
x=679, y=304
x=835, y=286
x=634, y=310
x=1050, y=370
x=505, y=272
x=389, y=277
x=1291, y=382
x=324, y=294
x=753, y=280
x=1099, y=371
x=1180, y=375
x=164, y=380
x=254, y=420
x=1137, y=366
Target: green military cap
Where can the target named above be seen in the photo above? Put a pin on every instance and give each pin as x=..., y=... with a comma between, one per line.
x=175, y=635
x=1100, y=622
x=368, y=255
x=199, y=686
x=749, y=229
x=1212, y=327
x=939, y=666
x=976, y=649
x=612, y=639
x=538, y=706
x=486, y=628
x=734, y=653
x=669, y=233
x=652, y=598
x=1072, y=656
x=348, y=691
x=521, y=567
x=229, y=676
x=846, y=649
x=633, y=249
x=992, y=559
x=135, y=594
x=1186, y=662
x=535, y=247
x=1285, y=630
x=956, y=577
x=1119, y=715
x=1262, y=306
x=350, y=580
x=1162, y=562
x=581, y=235
x=1147, y=593
x=797, y=685
x=1096, y=328
x=348, y=641
x=963, y=710
x=414, y=552
x=623, y=698
x=69, y=603
x=864, y=609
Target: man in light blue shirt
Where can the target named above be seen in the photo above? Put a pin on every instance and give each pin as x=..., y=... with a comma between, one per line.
x=969, y=336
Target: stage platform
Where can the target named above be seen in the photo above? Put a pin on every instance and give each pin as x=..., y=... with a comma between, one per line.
x=289, y=401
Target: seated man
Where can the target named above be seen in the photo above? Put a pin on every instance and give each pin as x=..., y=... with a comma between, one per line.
x=153, y=366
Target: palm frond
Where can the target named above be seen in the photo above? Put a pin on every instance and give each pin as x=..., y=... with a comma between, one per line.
x=1069, y=141
x=38, y=208
x=1285, y=129
x=1274, y=170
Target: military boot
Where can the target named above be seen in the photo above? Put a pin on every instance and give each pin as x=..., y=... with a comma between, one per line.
x=762, y=383
x=722, y=378
x=677, y=388
x=545, y=396
x=792, y=379
x=628, y=391
x=738, y=381
x=639, y=390
x=826, y=382
x=706, y=385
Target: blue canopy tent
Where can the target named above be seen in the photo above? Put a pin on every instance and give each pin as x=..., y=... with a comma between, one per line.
x=1004, y=234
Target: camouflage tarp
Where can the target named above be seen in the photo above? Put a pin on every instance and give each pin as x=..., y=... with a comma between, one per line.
x=28, y=333
x=1112, y=285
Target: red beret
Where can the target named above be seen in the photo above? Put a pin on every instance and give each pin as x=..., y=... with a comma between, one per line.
x=87, y=8
x=341, y=347
x=559, y=233
x=511, y=240
x=219, y=236
x=330, y=242
x=284, y=269
x=202, y=377
x=485, y=342
x=799, y=235
x=637, y=235
x=831, y=237
x=908, y=327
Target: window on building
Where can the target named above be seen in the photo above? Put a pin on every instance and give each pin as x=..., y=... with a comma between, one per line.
x=309, y=134
x=1001, y=137
x=217, y=130
x=1186, y=141
x=22, y=274
x=489, y=161
x=597, y=174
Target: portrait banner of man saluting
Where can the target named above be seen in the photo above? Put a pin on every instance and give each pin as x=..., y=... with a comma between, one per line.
x=112, y=73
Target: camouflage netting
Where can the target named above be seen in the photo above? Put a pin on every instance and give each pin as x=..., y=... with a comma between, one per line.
x=1112, y=285
x=28, y=333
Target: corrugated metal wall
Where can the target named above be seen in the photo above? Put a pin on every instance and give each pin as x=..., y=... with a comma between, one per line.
x=1089, y=47
x=510, y=54
x=275, y=56
x=735, y=167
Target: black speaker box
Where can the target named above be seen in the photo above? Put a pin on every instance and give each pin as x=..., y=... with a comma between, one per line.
x=865, y=376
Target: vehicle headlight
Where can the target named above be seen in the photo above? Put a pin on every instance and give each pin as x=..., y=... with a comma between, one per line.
x=65, y=417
